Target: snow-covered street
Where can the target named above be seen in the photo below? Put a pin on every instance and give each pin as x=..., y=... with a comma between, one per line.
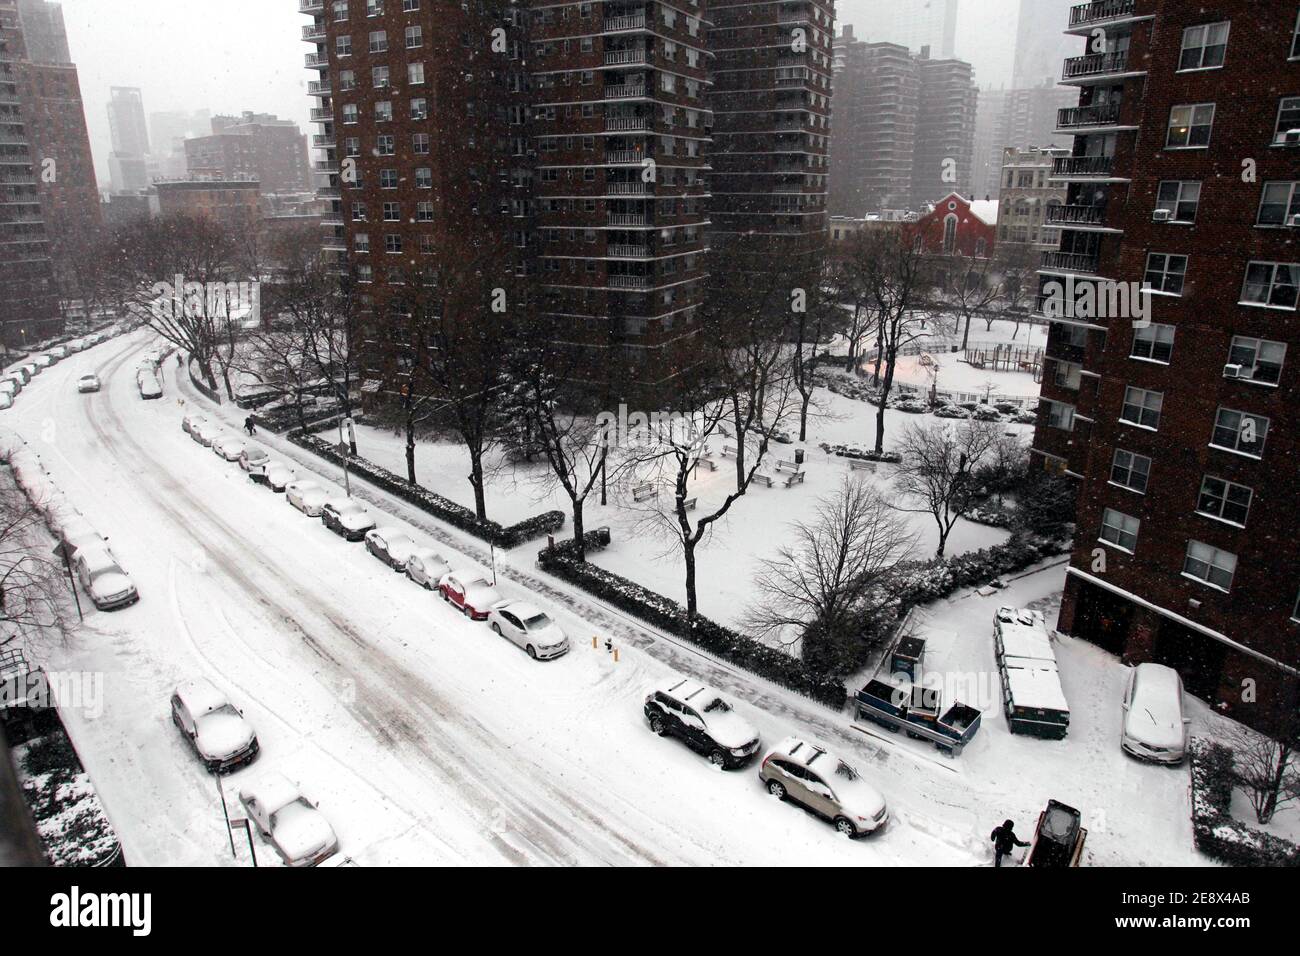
x=425, y=738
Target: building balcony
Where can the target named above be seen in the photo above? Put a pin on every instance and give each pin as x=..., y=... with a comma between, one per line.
x=1079, y=218
x=318, y=88
x=313, y=32
x=1081, y=120
x=316, y=61
x=18, y=179
x=627, y=189
x=334, y=243
x=629, y=282
x=627, y=124
x=1087, y=17
x=1070, y=263
x=326, y=166
x=628, y=219
x=624, y=57
x=1086, y=169
x=624, y=91
x=623, y=250
x=323, y=141
x=635, y=21
x=624, y=156
x=311, y=6
x=322, y=114
x=1097, y=68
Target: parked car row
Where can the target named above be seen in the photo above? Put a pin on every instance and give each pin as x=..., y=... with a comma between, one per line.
x=85, y=549
x=18, y=377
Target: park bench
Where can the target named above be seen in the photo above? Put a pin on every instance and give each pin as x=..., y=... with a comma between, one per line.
x=707, y=462
x=783, y=465
x=795, y=479
x=857, y=464
x=763, y=479
x=644, y=492
x=728, y=451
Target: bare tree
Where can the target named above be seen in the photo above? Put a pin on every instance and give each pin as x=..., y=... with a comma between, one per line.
x=971, y=288
x=1017, y=284
x=1265, y=767
x=936, y=476
x=833, y=570
x=850, y=281
x=33, y=584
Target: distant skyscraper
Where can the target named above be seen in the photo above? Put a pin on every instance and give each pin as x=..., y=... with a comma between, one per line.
x=252, y=146
x=1040, y=43
x=913, y=24
x=945, y=131
x=130, y=138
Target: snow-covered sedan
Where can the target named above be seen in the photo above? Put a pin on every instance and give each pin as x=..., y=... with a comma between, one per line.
x=214, y=727
x=11, y=386
x=6, y=400
x=295, y=826
x=346, y=518
x=88, y=383
x=191, y=421
x=529, y=628
x=426, y=567
x=307, y=496
x=1154, y=726
x=102, y=578
x=205, y=432
x=150, y=388
x=469, y=591
x=822, y=783
x=393, y=546
x=273, y=474
x=701, y=717
x=253, y=457
x=229, y=447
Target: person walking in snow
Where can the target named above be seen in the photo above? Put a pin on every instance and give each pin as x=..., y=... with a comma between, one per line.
x=250, y=426
x=1004, y=838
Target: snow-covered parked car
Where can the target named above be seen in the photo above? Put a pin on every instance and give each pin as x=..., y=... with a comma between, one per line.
x=346, y=518
x=11, y=386
x=469, y=591
x=1154, y=726
x=822, y=783
x=275, y=475
x=150, y=388
x=229, y=447
x=253, y=457
x=59, y=353
x=699, y=715
x=190, y=421
x=88, y=383
x=6, y=401
x=295, y=826
x=205, y=432
x=426, y=568
x=104, y=580
x=42, y=361
x=307, y=496
x=528, y=627
x=214, y=727
x=393, y=546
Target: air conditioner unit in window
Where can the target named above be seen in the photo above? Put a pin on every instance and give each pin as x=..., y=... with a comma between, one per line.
x=1291, y=137
x=1294, y=221
x=1162, y=215
x=1232, y=371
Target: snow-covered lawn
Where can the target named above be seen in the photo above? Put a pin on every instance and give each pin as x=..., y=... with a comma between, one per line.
x=752, y=530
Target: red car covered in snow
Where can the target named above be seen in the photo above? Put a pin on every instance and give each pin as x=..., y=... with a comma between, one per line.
x=470, y=591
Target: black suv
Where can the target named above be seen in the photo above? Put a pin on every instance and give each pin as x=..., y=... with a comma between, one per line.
x=696, y=713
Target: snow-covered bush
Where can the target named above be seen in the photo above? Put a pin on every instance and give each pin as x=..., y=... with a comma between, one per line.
x=862, y=454
x=912, y=406
x=986, y=413
x=662, y=612
x=1216, y=832
x=951, y=411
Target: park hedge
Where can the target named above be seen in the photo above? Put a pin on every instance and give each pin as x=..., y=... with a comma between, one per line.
x=662, y=612
x=458, y=516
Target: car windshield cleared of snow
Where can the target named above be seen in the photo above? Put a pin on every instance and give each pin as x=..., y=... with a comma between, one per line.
x=717, y=706
x=536, y=622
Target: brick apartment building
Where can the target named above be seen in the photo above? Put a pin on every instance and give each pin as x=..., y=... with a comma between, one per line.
x=1028, y=196
x=29, y=304
x=770, y=94
x=236, y=204
x=1182, y=434
x=252, y=146
x=579, y=145
x=945, y=130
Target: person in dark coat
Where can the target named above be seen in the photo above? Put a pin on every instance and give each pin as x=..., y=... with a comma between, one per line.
x=1004, y=838
x=250, y=426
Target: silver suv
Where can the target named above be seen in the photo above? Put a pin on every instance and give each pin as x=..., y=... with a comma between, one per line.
x=821, y=782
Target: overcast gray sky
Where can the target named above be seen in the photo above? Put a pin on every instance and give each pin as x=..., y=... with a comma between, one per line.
x=234, y=55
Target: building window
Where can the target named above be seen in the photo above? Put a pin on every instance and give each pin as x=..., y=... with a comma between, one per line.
x=410, y=6
x=1059, y=415
x=1279, y=202
x=1189, y=126
x=392, y=242
x=1288, y=118
x=349, y=113
x=361, y=242
x=1260, y=360
x=1154, y=343
x=388, y=179
x=949, y=235
x=1119, y=529
x=343, y=45
x=378, y=41
x=392, y=212
x=1295, y=39
x=1209, y=565
x=1068, y=374
x=1180, y=198
x=340, y=10
x=358, y=212
x=1165, y=273
x=374, y=8
x=1240, y=432
x=379, y=76
x=352, y=146
x=1224, y=500
x=420, y=144
x=424, y=178
x=1204, y=46
x=1130, y=471
x=426, y=245
x=419, y=108
x=1271, y=284
x=424, y=212
x=364, y=271
x=385, y=146
x=1142, y=407
x=415, y=73
x=383, y=111
x=414, y=37
x=347, y=80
